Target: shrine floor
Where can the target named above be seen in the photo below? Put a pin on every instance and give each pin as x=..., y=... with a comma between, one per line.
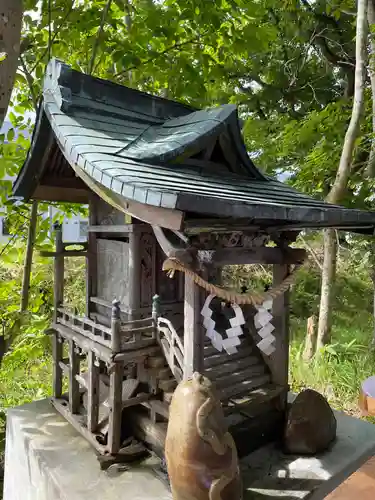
x=46, y=459
x=359, y=485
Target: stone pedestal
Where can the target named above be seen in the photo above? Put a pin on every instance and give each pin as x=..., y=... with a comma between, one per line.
x=46, y=459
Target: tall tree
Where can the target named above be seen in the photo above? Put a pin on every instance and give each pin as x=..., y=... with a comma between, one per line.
x=340, y=184
x=10, y=36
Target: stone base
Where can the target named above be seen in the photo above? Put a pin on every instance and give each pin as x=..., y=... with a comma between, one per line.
x=46, y=459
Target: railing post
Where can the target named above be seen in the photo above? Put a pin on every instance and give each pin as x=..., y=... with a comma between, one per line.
x=93, y=392
x=116, y=327
x=155, y=313
x=74, y=395
x=57, y=353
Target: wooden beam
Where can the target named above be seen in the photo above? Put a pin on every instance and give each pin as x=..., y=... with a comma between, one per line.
x=66, y=253
x=261, y=255
x=52, y=193
x=77, y=422
x=63, y=182
x=193, y=340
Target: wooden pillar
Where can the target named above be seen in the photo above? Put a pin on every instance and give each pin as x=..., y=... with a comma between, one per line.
x=58, y=272
x=93, y=392
x=279, y=360
x=58, y=299
x=91, y=259
x=134, y=273
x=29, y=257
x=193, y=339
x=115, y=388
x=74, y=395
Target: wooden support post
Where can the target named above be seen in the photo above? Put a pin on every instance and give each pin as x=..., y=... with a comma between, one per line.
x=279, y=360
x=115, y=410
x=74, y=395
x=57, y=353
x=93, y=392
x=193, y=341
x=91, y=259
x=115, y=388
x=58, y=272
x=134, y=273
x=29, y=256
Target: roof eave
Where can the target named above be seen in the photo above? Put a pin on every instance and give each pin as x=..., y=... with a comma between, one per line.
x=314, y=218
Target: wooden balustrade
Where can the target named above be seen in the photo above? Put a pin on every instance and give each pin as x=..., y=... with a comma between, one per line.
x=172, y=346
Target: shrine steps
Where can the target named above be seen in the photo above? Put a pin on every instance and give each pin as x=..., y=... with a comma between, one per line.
x=252, y=421
x=235, y=375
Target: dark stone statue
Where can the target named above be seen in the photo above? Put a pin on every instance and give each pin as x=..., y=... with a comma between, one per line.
x=201, y=455
x=311, y=424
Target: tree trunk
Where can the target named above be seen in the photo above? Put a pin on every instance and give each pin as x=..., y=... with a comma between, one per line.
x=328, y=278
x=342, y=177
x=341, y=181
x=370, y=168
x=10, y=36
x=310, y=341
x=29, y=257
x=372, y=276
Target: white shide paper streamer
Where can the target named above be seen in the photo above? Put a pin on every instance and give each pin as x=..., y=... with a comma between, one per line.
x=232, y=341
x=262, y=322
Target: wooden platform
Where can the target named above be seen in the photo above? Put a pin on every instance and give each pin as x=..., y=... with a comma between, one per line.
x=360, y=485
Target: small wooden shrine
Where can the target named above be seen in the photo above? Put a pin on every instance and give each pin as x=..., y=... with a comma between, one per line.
x=168, y=188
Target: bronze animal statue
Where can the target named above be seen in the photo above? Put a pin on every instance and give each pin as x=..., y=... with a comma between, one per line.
x=201, y=455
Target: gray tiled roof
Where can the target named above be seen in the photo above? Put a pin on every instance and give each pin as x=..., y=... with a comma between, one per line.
x=139, y=146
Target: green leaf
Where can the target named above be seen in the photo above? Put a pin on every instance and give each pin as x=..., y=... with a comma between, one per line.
x=10, y=135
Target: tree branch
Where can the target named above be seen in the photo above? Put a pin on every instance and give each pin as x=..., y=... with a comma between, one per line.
x=30, y=82
x=46, y=51
x=100, y=30
x=176, y=45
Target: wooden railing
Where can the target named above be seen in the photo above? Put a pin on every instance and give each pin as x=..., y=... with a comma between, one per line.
x=121, y=336
x=172, y=347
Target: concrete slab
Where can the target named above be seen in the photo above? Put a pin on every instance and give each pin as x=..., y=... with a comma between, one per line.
x=46, y=459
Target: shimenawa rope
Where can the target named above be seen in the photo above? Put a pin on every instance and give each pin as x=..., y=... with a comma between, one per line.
x=171, y=265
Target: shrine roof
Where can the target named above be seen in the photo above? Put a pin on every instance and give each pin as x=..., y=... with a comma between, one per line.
x=126, y=145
